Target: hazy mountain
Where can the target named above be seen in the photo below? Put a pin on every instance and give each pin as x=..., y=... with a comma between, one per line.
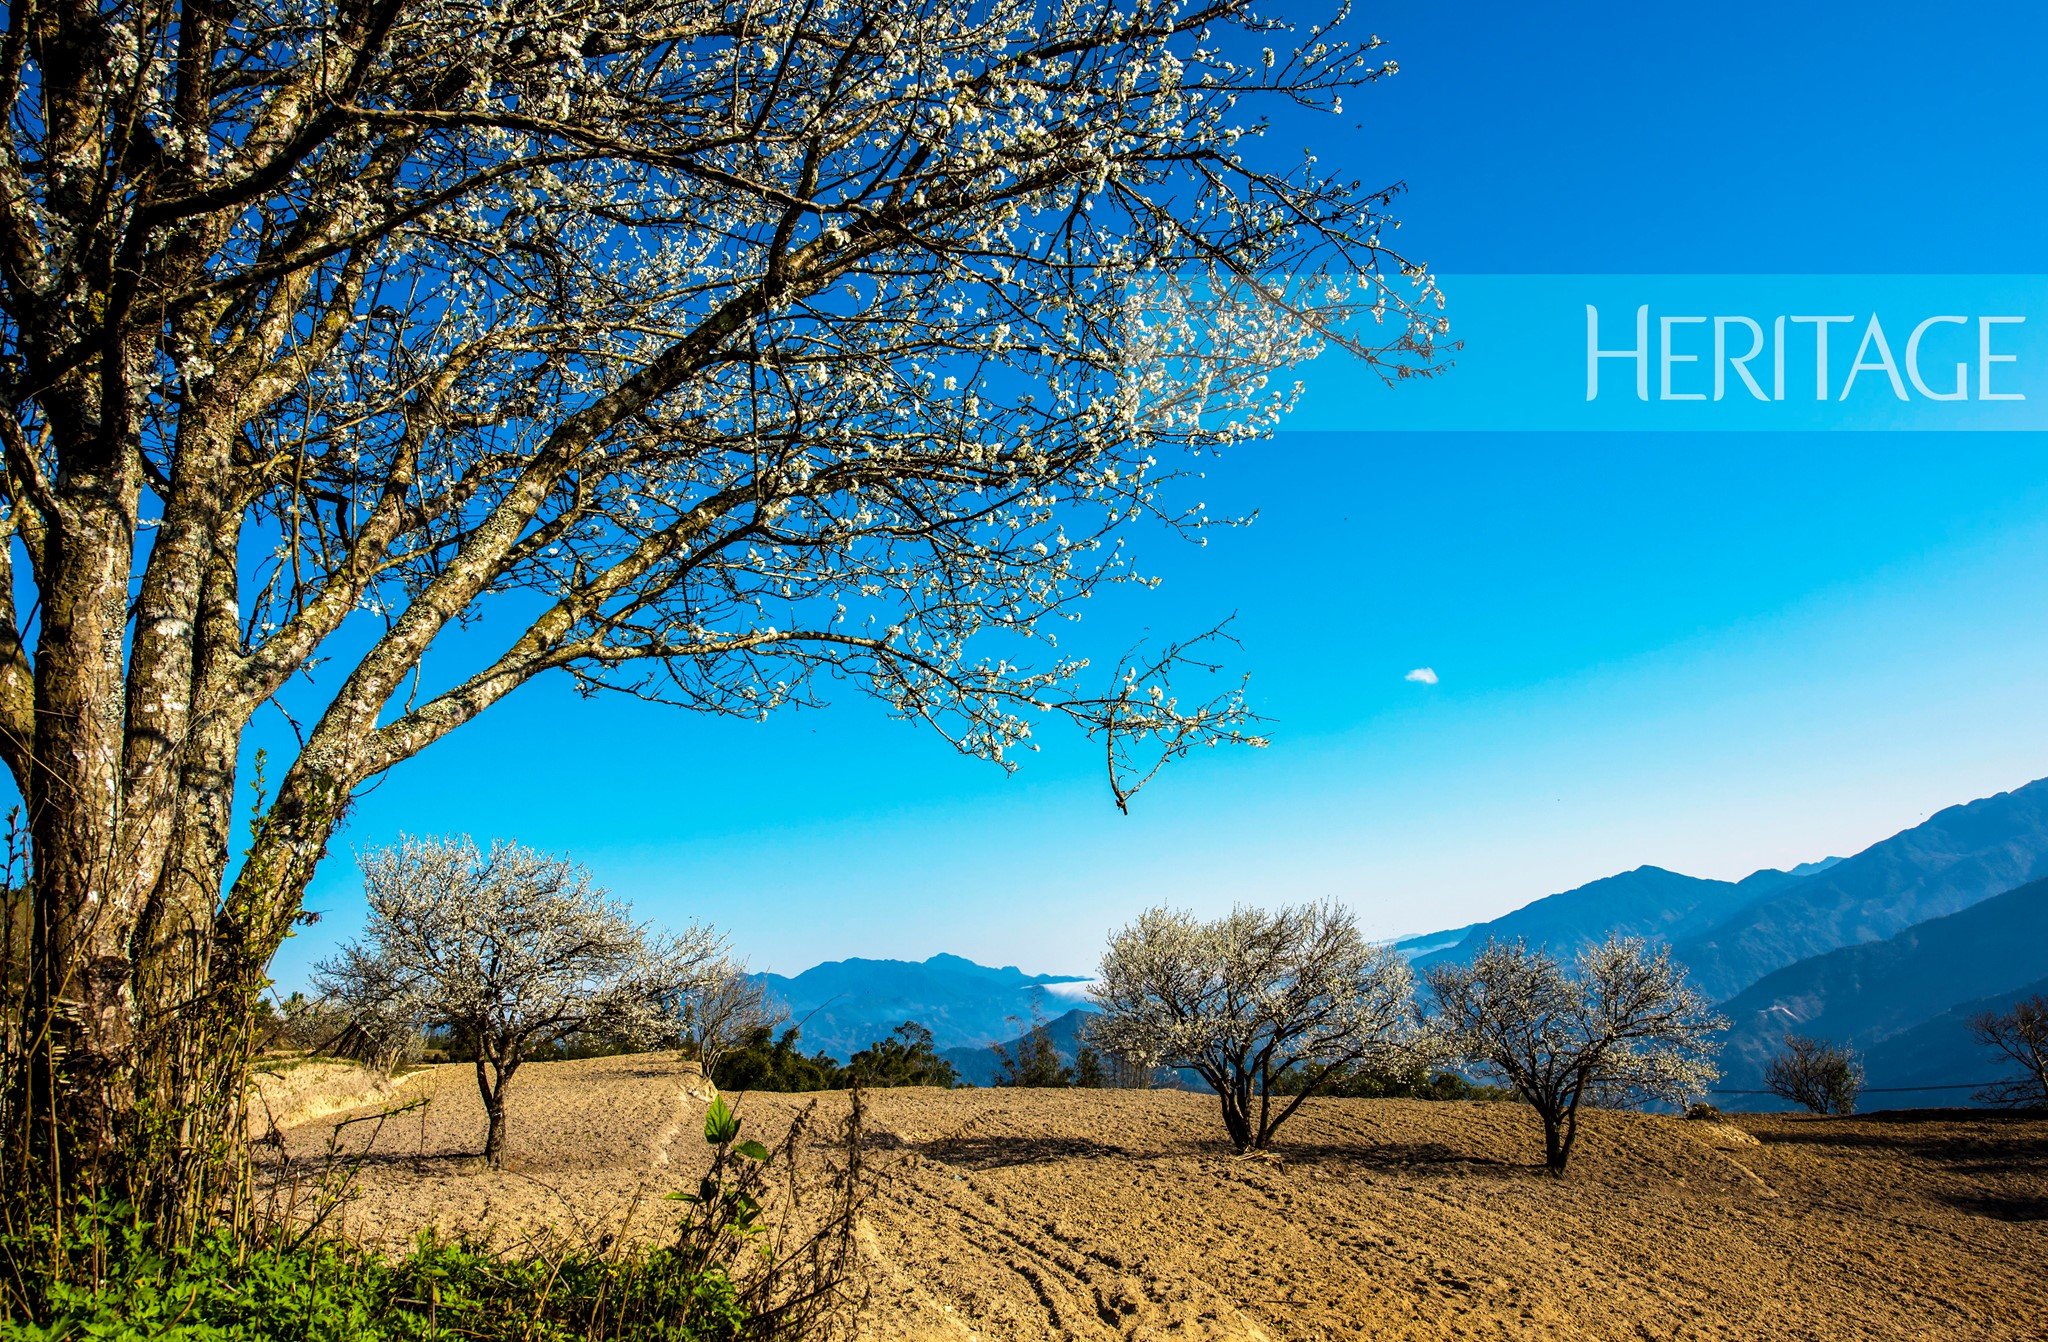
x=1432, y=941
x=1875, y=993
x=979, y=1066
x=845, y=1005
x=1956, y=858
x=1647, y=902
x=1943, y=1053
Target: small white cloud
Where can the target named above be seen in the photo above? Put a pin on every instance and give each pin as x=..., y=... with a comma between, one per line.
x=1421, y=675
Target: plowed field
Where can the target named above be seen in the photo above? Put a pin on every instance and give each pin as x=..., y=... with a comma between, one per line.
x=1117, y=1214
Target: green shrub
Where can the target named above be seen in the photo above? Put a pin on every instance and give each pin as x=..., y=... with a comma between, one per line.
x=332, y=1291
x=728, y=1275
x=761, y=1061
x=905, y=1058
x=1033, y=1059
x=1416, y=1083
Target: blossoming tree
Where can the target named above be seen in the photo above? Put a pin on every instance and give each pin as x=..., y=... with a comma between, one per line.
x=509, y=950
x=1257, y=1003
x=704, y=350
x=1620, y=1025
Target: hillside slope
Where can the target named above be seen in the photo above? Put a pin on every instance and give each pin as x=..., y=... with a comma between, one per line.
x=1864, y=995
x=1942, y=1052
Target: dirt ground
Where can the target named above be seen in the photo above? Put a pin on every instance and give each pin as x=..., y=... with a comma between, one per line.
x=1117, y=1214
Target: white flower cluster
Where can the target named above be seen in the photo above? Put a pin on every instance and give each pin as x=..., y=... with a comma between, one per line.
x=1620, y=1025
x=1263, y=1005
x=705, y=348
x=513, y=949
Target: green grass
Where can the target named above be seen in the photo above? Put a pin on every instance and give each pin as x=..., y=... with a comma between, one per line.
x=332, y=1291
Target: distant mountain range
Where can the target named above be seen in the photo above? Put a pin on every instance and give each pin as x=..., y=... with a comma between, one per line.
x=1891, y=950
x=1647, y=902
x=842, y=1006
x=1871, y=994
x=1956, y=858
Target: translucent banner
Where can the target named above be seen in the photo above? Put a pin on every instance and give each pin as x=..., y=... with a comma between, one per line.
x=1713, y=353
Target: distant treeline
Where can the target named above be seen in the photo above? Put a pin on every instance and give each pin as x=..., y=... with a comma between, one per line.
x=772, y=1059
x=766, y=1060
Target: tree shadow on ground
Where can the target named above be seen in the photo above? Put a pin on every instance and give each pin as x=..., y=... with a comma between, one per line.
x=997, y=1152
x=439, y=1161
x=1963, y=1138
x=983, y=1153
x=1411, y=1157
x=2018, y=1207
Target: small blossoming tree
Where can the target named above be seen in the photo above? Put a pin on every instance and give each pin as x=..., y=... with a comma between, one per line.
x=1621, y=1026
x=1255, y=1003
x=508, y=950
x=721, y=1010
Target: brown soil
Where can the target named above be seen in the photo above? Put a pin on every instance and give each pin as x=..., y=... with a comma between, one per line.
x=1116, y=1214
x=291, y=1091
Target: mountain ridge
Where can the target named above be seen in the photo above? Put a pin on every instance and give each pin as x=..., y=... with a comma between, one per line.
x=1957, y=857
x=1866, y=994
x=1730, y=934
x=842, y=1006
x=1648, y=901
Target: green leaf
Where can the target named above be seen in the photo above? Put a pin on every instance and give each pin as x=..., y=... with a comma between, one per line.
x=720, y=1126
x=753, y=1151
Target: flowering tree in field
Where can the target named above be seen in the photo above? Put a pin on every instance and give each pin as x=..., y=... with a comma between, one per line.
x=712, y=351
x=721, y=1010
x=508, y=950
x=1251, y=1000
x=1624, y=1027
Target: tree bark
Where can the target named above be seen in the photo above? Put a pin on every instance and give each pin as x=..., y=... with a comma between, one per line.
x=1237, y=1119
x=1556, y=1148
x=80, y=1011
x=492, y=1076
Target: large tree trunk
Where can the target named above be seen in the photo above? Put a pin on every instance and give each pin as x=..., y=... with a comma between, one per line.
x=492, y=1076
x=79, y=1015
x=1237, y=1118
x=135, y=1041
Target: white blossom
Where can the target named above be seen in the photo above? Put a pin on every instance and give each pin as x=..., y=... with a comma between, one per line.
x=508, y=950
x=1254, y=1000
x=1621, y=1027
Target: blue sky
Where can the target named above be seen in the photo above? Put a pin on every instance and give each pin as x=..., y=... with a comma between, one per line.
x=1711, y=652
